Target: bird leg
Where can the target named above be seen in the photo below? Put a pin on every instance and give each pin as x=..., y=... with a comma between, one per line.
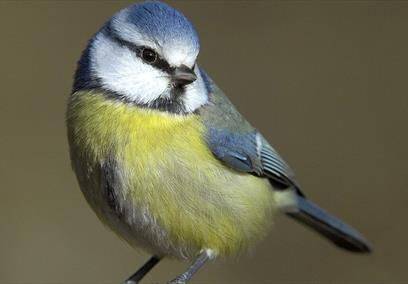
x=142, y=271
x=202, y=258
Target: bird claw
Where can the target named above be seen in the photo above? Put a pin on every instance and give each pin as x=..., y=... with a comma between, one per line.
x=130, y=282
x=182, y=279
x=177, y=281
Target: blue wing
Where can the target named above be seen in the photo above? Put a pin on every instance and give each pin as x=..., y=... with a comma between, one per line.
x=249, y=152
x=239, y=145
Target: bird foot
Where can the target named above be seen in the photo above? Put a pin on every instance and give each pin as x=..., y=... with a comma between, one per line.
x=177, y=281
x=130, y=282
x=181, y=279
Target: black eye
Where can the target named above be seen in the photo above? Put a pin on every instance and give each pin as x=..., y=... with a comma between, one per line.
x=149, y=55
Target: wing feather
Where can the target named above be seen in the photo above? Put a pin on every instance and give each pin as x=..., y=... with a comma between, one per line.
x=239, y=145
x=246, y=152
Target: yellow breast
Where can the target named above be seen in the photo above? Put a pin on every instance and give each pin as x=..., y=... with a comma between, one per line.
x=168, y=169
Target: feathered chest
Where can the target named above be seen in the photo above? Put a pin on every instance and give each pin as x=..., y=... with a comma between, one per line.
x=164, y=167
x=101, y=127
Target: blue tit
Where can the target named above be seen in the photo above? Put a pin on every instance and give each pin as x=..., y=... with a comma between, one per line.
x=163, y=157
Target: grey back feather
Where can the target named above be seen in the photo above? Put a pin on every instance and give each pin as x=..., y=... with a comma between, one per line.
x=239, y=145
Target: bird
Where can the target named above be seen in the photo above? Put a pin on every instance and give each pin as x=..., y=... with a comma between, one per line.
x=164, y=158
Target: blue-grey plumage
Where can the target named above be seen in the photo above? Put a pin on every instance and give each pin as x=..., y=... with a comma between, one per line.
x=165, y=159
x=167, y=26
x=240, y=146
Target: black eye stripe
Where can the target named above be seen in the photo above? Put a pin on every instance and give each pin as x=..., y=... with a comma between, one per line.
x=159, y=63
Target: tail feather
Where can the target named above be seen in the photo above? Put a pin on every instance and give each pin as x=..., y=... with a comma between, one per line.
x=329, y=226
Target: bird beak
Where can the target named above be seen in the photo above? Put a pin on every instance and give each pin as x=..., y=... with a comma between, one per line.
x=183, y=75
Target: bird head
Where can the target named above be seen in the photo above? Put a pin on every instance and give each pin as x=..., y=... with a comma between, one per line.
x=145, y=54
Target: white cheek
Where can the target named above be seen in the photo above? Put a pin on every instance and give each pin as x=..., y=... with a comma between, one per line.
x=196, y=94
x=123, y=72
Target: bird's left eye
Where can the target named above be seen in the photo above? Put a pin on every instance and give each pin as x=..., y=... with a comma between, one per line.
x=149, y=55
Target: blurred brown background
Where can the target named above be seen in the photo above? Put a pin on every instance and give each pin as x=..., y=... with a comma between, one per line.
x=326, y=82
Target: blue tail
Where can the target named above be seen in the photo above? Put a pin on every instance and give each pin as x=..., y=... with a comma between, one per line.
x=329, y=226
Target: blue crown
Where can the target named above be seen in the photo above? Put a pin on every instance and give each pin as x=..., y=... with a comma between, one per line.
x=163, y=23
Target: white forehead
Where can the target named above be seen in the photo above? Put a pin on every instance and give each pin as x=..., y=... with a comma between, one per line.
x=176, y=50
